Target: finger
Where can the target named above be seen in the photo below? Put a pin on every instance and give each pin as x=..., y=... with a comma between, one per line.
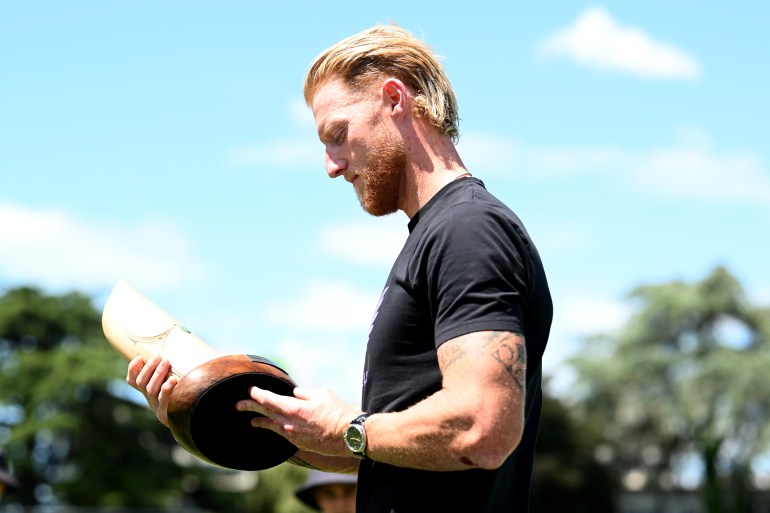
x=253, y=406
x=161, y=411
x=271, y=400
x=134, y=367
x=158, y=377
x=269, y=424
x=256, y=393
x=265, y=418
x=165, y=391
x=303, y=393
x=144, y=376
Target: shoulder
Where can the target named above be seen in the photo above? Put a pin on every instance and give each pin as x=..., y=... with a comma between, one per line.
x=475, y=219
x=470, y=203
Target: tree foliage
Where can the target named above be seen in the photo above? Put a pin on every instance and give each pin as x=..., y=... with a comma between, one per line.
x=686, y=377
x=71, y=439
x=567, y=478
x=75, y=439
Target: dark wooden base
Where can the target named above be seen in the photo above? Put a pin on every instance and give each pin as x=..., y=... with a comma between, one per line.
x=203, y=418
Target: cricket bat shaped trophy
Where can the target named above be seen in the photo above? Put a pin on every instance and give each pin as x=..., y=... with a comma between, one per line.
x=201, y=413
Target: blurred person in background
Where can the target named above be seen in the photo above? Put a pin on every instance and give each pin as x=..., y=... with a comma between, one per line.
x=328, y=492
x=7, y=481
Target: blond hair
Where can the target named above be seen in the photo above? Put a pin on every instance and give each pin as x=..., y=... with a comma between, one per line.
x=390, y=51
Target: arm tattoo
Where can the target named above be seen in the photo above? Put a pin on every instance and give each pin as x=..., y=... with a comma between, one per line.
x=451, y=354
x=513, y=357
x=508, y=349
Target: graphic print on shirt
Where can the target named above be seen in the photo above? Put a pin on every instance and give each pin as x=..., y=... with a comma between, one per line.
x=371, y=327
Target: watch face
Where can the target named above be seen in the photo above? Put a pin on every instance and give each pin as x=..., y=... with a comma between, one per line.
x=355, y=438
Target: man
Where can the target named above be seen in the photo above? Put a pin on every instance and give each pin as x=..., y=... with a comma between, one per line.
x=7, y=481
x=451, y=383
x=329, y=493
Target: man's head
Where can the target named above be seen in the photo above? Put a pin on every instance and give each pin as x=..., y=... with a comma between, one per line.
x=380, y=98
x=362, y=141
x=389, y=51
x=329, y=493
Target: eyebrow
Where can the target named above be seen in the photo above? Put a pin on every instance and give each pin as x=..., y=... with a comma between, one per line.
x=327, y=132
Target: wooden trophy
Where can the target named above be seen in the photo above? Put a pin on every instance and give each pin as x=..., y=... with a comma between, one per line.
x=201, y=411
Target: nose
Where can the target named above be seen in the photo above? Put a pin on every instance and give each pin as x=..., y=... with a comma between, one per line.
x=335, y=165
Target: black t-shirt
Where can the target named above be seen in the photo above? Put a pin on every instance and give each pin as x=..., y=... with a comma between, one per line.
x=467, y=266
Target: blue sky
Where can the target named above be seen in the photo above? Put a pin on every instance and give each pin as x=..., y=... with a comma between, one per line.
x=167, y=144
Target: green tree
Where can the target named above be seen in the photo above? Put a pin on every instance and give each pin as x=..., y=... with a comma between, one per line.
x=686, y=377
x=71, y=439
x=567, y=478
x=75, y=439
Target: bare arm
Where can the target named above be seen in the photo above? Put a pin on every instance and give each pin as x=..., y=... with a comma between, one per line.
x=313, y=460
x=475, y=420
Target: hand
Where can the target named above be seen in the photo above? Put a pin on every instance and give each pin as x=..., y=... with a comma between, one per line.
x=153, y=380
x=313, y=420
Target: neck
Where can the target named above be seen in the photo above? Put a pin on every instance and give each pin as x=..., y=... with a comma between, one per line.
x=434, y=162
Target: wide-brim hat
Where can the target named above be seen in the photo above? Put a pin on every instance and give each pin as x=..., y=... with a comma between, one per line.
x=5, y=477
x=318, y=478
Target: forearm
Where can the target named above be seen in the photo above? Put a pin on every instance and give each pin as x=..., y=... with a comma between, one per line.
x=475, y=420
x=440, y=434
x=313, y=460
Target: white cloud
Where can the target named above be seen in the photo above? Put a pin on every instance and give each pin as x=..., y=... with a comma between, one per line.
x=689, y=168
x=585, y=313
x=483, y=152
x=325, y=362
x=302, y=151
x=287, y=153
x=577, y=315
x=325, y=328
x=301, y=114
x=568, y=238
x=54, y=249
x=596, y=40
x=325, y=333
x=365, y=241
x=486, y=151
x=328, y=307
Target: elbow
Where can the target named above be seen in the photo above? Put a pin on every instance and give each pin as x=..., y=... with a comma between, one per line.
x=489, y=448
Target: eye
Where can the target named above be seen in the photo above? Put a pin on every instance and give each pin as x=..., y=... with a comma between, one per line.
x=340, y=135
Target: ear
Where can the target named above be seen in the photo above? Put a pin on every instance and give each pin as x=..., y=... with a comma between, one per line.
x=395, y=96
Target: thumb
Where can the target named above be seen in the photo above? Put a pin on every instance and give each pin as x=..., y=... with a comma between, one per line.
x=304, y=393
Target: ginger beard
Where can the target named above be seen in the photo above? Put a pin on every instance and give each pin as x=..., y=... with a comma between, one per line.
x=382, y=175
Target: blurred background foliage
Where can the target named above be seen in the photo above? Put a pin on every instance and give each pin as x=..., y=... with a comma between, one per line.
x=684, y=381
x=685, y=378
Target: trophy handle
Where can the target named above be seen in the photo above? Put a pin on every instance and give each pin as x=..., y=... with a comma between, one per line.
x=135, y=326
x=201, y=411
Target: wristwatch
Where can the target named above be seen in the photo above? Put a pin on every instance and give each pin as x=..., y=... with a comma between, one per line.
x=355, y=436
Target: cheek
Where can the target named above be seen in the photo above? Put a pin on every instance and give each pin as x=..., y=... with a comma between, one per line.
x=357, y=148
x=356, y=156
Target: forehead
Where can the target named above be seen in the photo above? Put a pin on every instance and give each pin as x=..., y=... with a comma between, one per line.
x=334, y=100
x=335, y=490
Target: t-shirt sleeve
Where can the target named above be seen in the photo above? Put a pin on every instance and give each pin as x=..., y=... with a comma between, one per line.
x=479, y=269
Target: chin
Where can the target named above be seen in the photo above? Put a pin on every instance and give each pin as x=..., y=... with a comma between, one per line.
x=379, y=212
x=377, y=209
